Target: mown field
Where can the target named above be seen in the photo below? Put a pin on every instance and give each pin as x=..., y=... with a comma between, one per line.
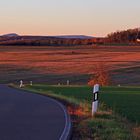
x=53, y=65
x=122, y=100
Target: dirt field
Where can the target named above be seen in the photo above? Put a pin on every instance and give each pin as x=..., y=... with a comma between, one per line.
x=59, y=64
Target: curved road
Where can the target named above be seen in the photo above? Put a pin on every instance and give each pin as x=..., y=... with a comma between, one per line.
x=27, y=116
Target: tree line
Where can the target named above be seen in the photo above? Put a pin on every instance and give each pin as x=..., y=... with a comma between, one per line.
x=130, y=36
x=125, y=36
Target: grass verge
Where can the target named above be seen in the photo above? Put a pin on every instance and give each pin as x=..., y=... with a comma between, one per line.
x=107, y=124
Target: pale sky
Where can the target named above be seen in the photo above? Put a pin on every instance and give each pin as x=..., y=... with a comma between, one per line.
x=68, y=17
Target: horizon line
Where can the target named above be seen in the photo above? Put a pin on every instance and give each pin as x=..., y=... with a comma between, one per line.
x=49, y=35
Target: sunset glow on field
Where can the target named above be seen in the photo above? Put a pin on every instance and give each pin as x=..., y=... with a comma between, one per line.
x=69, y=69
x=44, y=61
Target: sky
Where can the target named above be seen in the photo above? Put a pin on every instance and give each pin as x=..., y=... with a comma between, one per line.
x=68, y=17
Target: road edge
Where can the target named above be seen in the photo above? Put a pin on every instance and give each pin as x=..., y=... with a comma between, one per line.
x=66, y=134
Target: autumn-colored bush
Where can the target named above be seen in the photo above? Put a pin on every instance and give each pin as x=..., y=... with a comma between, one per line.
x=101, y=75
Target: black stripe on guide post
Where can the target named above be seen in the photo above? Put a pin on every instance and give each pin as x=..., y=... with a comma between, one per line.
x=95, y=96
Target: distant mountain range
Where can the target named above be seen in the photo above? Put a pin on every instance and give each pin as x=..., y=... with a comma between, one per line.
x=66, y=40
x=75, y=36
x=61, y=36
x=10, y=35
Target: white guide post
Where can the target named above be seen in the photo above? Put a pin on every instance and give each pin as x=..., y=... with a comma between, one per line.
x=31, y=83
x=68, y=82
x=95, y=99
x=21, y=84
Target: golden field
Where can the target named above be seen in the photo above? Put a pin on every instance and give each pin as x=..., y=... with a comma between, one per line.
x=58, y=64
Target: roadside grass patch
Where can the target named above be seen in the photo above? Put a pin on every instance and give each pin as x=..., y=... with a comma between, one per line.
x=118, y=117
x=123, y=100
x=102, y=129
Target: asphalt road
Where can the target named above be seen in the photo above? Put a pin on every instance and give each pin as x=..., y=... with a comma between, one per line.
x=27, y=116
